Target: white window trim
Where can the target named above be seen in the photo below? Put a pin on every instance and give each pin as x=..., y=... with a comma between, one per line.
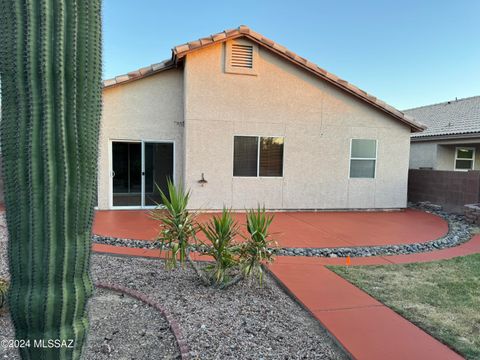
x=258, y=156
x=110, y=171
x=357, y=158
x=457, y=158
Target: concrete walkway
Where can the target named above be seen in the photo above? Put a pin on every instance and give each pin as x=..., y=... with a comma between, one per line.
x=301, y=229
x=364, y=327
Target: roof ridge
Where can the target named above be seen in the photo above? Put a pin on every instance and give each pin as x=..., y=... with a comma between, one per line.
x=180, y=51
x=442, y=102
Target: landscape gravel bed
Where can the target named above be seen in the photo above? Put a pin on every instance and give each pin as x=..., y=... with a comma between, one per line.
x=246, y=321
x=121, y=328
x=459, y=232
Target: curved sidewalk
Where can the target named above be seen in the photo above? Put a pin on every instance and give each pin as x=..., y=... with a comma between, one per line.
x=365, y=328
x=300, y=229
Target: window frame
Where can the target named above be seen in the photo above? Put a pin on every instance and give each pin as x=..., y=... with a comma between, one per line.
x=457, y=158
x=357, y=158
x=258, y=156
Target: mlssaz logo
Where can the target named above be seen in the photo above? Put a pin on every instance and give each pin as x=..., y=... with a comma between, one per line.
x=53, y=343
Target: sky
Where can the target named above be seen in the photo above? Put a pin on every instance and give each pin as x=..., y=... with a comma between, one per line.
x=407, y=53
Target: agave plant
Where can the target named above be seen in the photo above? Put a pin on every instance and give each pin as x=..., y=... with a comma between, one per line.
x=220, y=232
x=178, y=226
x=259, y=246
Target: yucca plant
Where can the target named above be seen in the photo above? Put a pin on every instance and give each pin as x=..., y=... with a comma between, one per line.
x=259, y=247
x=178, y=226
x=220, y=232
x=51, y=87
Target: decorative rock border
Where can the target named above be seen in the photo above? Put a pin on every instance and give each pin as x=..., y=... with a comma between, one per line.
x=172, y=322
x=472, y=213
x=459, y=232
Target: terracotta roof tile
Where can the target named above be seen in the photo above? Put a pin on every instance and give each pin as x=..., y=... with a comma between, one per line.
x=244, y=29
x=219, y=36
x=109, y=82
x=121, y=78
x=145, y=70
x=194, y=44
x=180, y=51
x=206, y=41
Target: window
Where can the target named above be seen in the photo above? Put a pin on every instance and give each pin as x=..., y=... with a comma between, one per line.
x=258, y=156
x=464, y=158
x=363, y=158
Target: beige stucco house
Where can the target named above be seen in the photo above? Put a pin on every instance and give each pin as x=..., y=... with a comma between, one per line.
x=452, y=140
x=241, y=120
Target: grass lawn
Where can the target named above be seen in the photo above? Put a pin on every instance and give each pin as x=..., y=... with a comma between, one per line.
x=441, y=297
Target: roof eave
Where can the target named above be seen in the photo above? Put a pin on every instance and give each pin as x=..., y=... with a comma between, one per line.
x=179, y=52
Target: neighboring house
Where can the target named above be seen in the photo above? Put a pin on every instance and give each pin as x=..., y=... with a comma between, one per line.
x=445, y=158
x=452, y=139
x=241, y=120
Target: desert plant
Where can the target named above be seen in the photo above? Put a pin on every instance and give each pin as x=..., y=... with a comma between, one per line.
x=3, y=293
x=178, y=226
x=258, y=247
x=51, y=86
x=220, y=232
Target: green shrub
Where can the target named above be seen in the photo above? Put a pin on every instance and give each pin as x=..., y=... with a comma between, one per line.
x=220, y=232
x=178, y=226
x=258, y=248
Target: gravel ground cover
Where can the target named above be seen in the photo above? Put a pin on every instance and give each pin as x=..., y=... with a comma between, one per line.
x=121, y=328
x=245, y=321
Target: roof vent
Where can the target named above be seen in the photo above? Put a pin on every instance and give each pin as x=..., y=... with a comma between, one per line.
x=241, y=57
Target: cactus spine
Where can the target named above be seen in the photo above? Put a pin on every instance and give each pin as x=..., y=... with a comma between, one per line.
x=50, y=73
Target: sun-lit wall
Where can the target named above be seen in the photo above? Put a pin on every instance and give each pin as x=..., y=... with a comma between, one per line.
x=317, y=121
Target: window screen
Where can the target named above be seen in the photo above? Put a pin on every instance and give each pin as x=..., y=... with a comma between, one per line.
x=363, y=158
x=245, y=156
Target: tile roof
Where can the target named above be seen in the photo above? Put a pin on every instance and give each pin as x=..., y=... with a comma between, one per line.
x=180, y=51
x=449, y=118
x=140, y=73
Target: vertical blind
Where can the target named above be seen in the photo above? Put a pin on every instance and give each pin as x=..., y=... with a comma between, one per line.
x=245, y=155
x=271, y=156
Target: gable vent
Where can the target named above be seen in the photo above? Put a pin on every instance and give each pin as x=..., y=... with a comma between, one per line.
x=242, y=56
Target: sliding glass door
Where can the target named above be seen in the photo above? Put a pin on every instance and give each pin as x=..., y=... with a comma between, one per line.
x=158, y=169
x=139, y=168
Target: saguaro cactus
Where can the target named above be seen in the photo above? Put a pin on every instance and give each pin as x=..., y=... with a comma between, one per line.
x=50, y=73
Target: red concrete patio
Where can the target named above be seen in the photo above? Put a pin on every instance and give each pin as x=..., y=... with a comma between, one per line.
x=301, y=229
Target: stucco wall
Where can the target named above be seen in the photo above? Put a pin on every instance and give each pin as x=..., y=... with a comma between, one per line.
x=446, y=156
x=317, y=121
x=148, y=109
x=438, y=156
x=423, y=155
